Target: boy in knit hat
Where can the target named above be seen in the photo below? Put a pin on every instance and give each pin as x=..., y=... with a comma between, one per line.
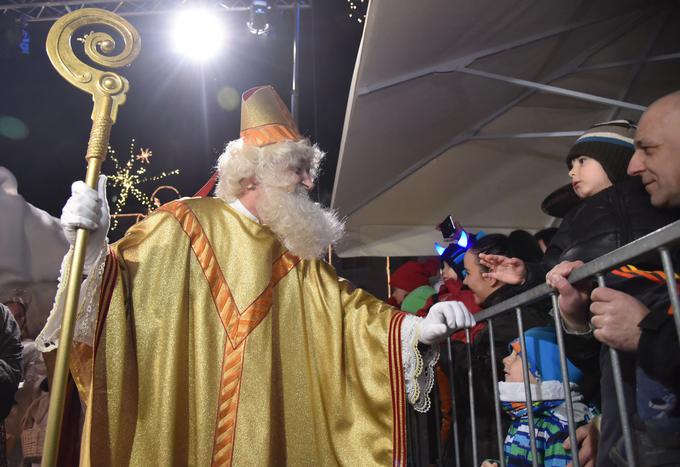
x=548, y=405
x=600, y=157
x=614, y=209
x=597, y=164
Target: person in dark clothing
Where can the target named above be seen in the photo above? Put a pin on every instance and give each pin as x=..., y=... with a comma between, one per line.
x=544, y=237
x=10, y=369
x=614, y=210
x=488, y=292
x=626, y=321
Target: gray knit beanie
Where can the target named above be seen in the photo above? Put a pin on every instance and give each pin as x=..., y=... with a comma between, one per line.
x=609, y=143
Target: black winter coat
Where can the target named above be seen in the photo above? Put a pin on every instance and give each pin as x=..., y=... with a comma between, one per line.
x=600, y=224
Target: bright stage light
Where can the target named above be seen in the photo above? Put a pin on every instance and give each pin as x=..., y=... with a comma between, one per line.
x=197, y=34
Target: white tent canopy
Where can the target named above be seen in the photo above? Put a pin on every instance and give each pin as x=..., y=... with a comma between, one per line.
x=469, y=108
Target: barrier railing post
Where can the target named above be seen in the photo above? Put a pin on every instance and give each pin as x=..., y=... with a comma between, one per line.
x=496, y=396
x=620, y=397
x=565, y=379
x=655, y=241
x=454, y=404
x=471, y=392
x=436, y=406
x=527, y=387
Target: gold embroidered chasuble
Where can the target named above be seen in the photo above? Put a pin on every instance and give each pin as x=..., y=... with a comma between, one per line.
x=215, y=346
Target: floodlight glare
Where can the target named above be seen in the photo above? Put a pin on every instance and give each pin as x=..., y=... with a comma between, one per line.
x=197, y=34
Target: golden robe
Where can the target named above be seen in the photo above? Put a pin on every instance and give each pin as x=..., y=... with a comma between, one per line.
x=215, y=346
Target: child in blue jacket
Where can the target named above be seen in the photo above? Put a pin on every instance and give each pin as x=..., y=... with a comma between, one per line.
x=548, y=402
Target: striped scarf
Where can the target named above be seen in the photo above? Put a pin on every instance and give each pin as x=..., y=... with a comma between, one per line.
x=550, y=430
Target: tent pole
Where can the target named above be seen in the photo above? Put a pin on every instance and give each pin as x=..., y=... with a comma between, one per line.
x=547, y=134
x=553, y=89
x=636, y=73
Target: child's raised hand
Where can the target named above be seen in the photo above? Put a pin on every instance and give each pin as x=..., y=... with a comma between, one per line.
x=507, y=270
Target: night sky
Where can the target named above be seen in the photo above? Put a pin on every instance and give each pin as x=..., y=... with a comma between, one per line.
x=172, y=107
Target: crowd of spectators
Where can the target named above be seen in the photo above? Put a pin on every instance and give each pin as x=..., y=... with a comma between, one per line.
x=625, y=184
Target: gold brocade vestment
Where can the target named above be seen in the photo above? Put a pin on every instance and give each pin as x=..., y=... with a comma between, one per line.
x=215, y=346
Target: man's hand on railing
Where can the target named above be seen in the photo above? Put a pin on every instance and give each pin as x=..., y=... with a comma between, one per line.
x=573, y=300
x=587, y=437
x=616, y=316
x=510, y=271
x=442, y=320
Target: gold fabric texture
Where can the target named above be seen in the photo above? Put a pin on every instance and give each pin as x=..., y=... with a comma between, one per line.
x=304, y=379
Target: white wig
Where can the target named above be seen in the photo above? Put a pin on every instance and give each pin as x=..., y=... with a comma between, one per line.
x=269, y=165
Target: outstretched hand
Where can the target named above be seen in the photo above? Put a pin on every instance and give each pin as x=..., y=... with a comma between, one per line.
x=510, y=271
x=442, y=320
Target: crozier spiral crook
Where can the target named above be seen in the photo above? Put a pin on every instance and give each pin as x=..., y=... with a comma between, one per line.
x=97, y=46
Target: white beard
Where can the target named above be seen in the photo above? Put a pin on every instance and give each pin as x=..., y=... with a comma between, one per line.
x=304, y=227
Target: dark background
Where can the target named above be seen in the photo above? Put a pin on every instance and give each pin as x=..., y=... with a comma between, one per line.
x=172, y=108
x=172, y=104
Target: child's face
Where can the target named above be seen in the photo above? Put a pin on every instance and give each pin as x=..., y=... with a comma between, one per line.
x=449, y=273
x=481, y=287
x=587, y=177
x=512, y=366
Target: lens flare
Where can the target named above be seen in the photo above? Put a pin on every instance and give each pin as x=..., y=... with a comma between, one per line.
x=228, y=98
x=12, y=128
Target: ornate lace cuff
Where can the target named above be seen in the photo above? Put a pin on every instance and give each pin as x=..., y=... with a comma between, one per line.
x=418, y=369
x=86, y=314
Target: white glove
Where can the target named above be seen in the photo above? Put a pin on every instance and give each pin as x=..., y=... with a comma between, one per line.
x=443, y=319
x=88, y=209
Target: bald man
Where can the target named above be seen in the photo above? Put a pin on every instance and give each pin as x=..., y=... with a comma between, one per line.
x=625, y=323
x=621, y=321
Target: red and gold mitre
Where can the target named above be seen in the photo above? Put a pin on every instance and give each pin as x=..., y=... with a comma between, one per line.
x=265, y=119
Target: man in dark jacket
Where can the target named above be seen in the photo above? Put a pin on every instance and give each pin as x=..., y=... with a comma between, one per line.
x=608, y=216
x=631, y=322
x=10, y=369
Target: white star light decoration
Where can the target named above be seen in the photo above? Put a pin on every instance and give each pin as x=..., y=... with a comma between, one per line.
x=357, y=9
x=144, y=155
x=127, y=179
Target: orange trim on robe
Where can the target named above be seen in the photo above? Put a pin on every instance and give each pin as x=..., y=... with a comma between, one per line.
x=199, y=306
x=237, y=324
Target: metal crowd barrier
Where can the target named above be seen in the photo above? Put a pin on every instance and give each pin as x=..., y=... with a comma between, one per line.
x=419, y=436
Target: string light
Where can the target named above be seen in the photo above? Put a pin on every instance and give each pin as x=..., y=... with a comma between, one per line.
x=357, y=9
x=128, y=177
